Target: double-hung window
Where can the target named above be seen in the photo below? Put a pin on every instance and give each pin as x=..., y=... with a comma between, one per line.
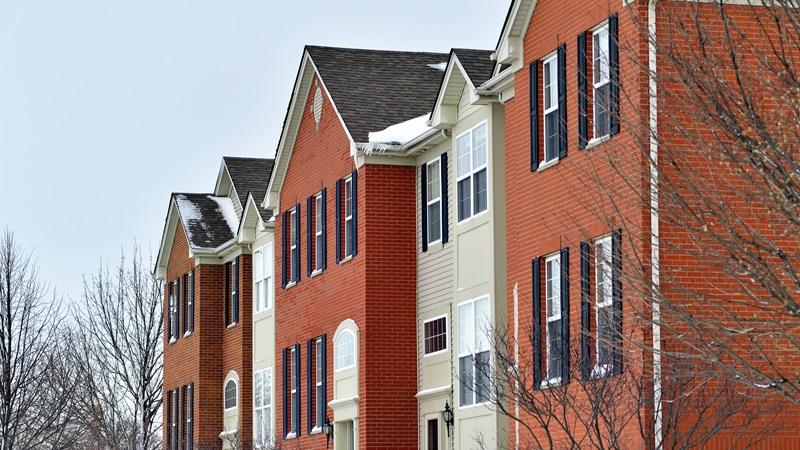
x=435, y=335
x=604, y=306
x=319, y=385
x=172, y=319
x=434, y=201
x=233, y=294
x=601, y=82
x=262, y=278
x=319, y=233
x=471, y=153
x=551, y=114
x=262, y=408
x=348, y=217
x=553, y=299
x=294, y=392
x=294, y=254
x=473, y=351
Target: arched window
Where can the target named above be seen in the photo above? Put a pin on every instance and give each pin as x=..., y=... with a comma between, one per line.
x=345, y=350
x=230, y=394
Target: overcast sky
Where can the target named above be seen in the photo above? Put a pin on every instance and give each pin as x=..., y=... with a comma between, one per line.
x=108, y=106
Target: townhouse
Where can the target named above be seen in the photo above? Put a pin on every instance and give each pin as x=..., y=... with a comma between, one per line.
x=205, y=262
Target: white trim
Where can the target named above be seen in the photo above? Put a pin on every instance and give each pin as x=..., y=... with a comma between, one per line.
x=294, y=240
x=319, y=233
x=596, y=142
x=434, y=391
x=547, y=62
x=348, y=212
x=267, y=277
x=266, y=407
x=343, y=402
x=472, y=171
x=548, y=164
x=437, y=199
x=598, y=30
x=446, y=335
x=473, y=352
x=555, y=299
x=336, y=352
x=232, y=377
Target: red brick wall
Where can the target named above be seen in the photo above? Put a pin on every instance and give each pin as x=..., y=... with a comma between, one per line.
x=375, y=289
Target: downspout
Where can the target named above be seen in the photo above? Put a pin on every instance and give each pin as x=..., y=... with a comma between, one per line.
x=654, y=217
x=516, y=366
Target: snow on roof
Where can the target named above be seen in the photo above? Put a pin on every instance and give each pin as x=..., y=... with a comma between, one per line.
x=442, y=66
x=401, y=133
x=225, y=207
x=209, y=221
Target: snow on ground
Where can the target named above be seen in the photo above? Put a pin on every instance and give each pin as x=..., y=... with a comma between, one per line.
x=401, y=133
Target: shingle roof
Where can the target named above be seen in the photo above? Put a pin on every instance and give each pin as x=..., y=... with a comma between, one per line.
x=477, y=63
x=249, y=175
x=374, y=89
x=209, y=221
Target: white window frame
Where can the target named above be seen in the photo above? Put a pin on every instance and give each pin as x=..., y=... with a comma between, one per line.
x=225, y=393
x=547, y=63
x=472, y=172
x=319, y=413
x=294, y=383
x=348, y=215
x=319, y=240
x=189, y=416
x=294, y=236
x=605, y=79
x=266, y=374
x=336, y=350
x=264, y=279
x=437, y=199
x=607, y=301
x=553, y=296
x=173, y=331
x=446, y=334
x=475, y=350
x=429, y=418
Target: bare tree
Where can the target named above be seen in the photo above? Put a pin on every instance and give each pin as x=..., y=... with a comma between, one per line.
x=36, y=386
x=120, y=326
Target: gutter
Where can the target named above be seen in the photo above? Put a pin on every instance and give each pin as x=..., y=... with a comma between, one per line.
x=654, y=228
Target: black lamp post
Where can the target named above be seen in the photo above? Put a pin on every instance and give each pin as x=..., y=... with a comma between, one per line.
x=447, y=414
x=327, y=429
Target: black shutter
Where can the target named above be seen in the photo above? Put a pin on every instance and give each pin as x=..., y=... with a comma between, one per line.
x=192, y=285
x=284, y=249
x=534, y=104
x=190, y=431
x=562, y=101
x=537, y=323
x=227, y=293
x=616, y=289
x=613, y=57
x=182, y=423
x=296, y=254
x=309, y=233
x=168, y=432
x=285, y=391
x=354, y=212
x=177, y=328
x=338, y=221
x=423, y=181
x=324, y=228
x=583, y=93
x=586, y=370
x=565, y=350
x=170, y=300
x=309, y=385
x=444, y=182
x=236, y=287
x=296, y=413
x=324, y=374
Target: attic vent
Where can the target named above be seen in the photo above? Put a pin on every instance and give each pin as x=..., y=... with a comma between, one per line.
x=317, y=108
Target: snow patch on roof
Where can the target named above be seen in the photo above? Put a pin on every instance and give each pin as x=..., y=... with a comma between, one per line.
x=401, y=133
x=190, y=214
x=208, y=220
x=226, y=209
x=442, y=66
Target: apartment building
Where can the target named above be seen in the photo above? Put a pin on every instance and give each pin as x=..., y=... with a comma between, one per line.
x=205, y=262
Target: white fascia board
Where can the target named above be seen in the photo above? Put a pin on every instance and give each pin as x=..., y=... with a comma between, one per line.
x=510, y=48
x=167, y=238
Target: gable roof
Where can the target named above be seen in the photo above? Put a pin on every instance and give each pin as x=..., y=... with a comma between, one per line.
x=374, y=89
x=509, y=51
x=467, y=70
x=477, y=63
x=208, y=220
x=248, y=175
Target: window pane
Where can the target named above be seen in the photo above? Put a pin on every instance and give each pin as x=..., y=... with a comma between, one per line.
x=479, y=146
x=554, y=349
x=344, y=350
x=258, y=265
x=601, y=114
x=466, y=331
x=482, y=324
x=600, y=55
x=433, y=434
x=318, y=214
x=435, y=335
x=551, y=136
x=465, y=364
x=605, y=334
x=267, y=388
x=547, y=86
x=434, y=222
x=482, y=377
x=257, y=389
x=464, y=199
x=463, y=155
x=433, y=187
x=481, y=194
x=348, y=232
x=347, y=197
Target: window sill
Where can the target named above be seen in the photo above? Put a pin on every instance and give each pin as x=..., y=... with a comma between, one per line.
x=316, y=273
x=346, y=260
x=232, y=325
x=548, y=165
x=551, y=383
x=187, y=334
x=291, y=285
x=173, y=340
x=316, y=430
x=601, y=370
x=596, y=142
x=291, y=435
x=474, y=405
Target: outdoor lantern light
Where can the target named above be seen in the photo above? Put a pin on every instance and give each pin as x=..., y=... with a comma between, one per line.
x=448, y=417
x=327, y=429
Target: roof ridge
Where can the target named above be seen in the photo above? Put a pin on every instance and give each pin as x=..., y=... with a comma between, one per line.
x=376, y=50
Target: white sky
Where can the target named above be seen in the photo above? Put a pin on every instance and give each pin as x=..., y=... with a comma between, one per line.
x=107, y=106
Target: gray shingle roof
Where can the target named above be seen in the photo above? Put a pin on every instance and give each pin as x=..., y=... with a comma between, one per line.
x=477, y=64
x=249, y=175
x=374, y=89
x=209, y=221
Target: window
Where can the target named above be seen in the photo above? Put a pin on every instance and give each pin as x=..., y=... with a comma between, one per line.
x=319, y=233
x=553, y=299
x=551, y=113
x=473, y=351
x=433, y=434
x=294, y=393
x=345, y=350
x=262, y=278
x=471, y=172
x=604, y=306
x=231, y=394
x=319, y=382
x=434, y=201
x=435, y=335
x=294, y=236
x=233, y=296
x=171, y=325
x=262, y=408
x=190, y=309
x=601, y=82
x=189, y=400
x=348, y=217
x=175, y=419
